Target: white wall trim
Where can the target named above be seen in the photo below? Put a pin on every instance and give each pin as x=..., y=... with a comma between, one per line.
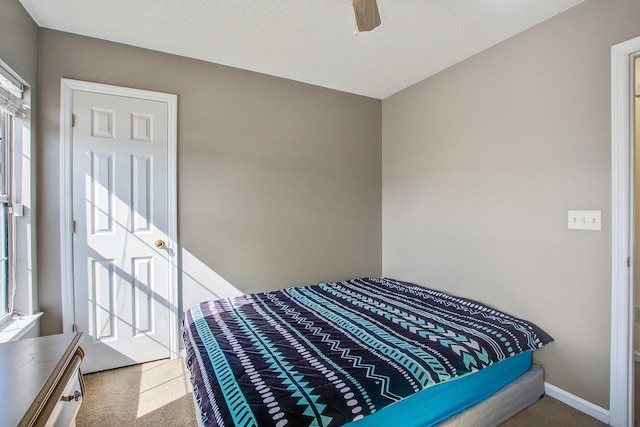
x=18, y=327
x=66, y=244
x=576, y=402
x=622, y=226
x=66, y=107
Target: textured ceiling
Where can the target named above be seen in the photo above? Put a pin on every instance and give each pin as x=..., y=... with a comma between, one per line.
x=308, y=41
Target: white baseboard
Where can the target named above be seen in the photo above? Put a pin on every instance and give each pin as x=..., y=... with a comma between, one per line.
x=576, y=402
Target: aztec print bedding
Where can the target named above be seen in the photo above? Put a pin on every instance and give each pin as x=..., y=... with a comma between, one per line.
x=332, y=353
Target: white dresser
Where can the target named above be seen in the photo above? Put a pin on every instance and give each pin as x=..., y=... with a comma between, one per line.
x=40, y=381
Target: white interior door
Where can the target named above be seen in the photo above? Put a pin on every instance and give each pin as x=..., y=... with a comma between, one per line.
x=121, y=262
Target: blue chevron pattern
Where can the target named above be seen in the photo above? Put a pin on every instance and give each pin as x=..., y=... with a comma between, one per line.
x=332, y=353
x=356, y=361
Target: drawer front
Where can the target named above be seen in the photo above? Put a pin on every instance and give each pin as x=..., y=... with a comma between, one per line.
x=67, y=403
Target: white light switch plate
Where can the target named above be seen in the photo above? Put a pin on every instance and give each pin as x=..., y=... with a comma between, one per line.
x=585, y=220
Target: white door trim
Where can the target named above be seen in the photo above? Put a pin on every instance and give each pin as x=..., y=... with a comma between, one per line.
x=622, y=228
x=66, y=107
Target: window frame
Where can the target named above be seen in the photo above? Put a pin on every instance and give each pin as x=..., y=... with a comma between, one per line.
x=6, y=185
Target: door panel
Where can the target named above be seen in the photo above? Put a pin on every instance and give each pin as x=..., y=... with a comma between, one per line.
x=120, y=206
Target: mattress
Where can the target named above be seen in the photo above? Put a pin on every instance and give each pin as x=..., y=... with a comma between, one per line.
x=432, y=405
x=503, y=404
x=338, y=353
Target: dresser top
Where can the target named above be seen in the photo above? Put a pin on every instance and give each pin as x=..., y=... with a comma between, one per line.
x=29, y=370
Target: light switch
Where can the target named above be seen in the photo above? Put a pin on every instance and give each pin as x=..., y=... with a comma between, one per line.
x=585, y=220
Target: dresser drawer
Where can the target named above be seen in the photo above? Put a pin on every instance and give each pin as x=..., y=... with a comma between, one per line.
x=66, y=399
x=36, y=374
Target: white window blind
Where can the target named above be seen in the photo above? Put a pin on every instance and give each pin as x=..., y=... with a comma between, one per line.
x=11, y=90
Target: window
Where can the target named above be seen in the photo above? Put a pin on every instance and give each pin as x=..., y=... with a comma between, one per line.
x=5, y=240
x=11, y=106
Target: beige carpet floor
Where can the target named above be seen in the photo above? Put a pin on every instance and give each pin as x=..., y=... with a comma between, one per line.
x=152, y=394
x=159, y=394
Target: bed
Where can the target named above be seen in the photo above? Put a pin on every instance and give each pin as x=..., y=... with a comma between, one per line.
x=360, y=353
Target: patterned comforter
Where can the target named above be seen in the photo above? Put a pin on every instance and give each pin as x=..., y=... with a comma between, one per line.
x=332, y=353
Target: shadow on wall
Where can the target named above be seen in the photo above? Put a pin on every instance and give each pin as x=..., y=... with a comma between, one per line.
x=201, y=283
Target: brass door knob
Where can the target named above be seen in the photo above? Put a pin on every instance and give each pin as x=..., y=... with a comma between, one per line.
x=160, y=244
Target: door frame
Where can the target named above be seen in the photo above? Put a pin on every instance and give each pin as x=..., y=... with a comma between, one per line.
x=68, y=86
x=622, y=232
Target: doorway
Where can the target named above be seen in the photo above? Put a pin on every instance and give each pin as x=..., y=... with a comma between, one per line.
x=622, y=232
x=636, y=237
x=119, y=254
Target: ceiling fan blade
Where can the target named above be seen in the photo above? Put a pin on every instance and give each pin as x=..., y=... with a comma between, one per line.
x=367, y=15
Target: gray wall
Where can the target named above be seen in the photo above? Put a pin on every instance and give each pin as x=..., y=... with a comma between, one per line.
x=19, y=40
x=278, y=182
x=481, y=163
